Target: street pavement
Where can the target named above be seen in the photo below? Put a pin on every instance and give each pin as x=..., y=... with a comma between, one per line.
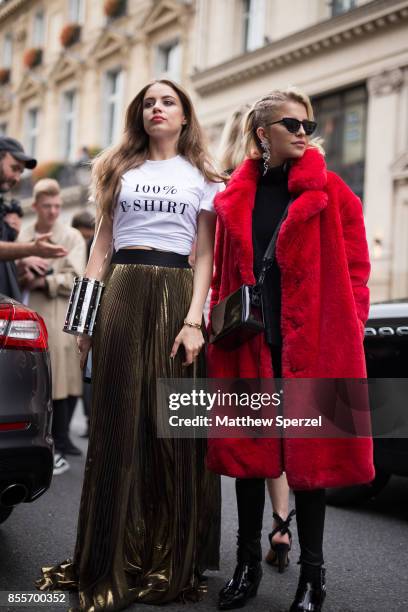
x=366, y=549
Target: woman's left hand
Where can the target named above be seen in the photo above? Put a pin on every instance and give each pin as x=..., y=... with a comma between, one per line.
x=192, y=339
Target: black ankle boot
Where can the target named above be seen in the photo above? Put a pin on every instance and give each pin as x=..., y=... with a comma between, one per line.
x=248, y=572
x=243, y=585
x=311, y=590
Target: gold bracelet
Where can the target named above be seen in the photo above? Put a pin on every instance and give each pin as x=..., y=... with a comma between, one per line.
x=191, y=324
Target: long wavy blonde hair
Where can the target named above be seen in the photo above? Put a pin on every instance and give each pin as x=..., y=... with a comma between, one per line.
x=260, y=115
x=109, y=166
x=231, y=151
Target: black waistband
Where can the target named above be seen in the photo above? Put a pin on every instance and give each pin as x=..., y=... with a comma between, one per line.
x=150, y=258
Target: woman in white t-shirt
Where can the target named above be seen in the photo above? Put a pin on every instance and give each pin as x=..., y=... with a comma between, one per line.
x=149, y=521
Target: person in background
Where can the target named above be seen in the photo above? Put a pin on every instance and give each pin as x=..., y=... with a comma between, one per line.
x=48, y=295
x=231, y=154
x=13, y=162
x=231, y=151
x=84, y=222
x=83, y=156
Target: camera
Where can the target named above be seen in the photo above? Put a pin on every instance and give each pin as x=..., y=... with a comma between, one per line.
x=7, y=230
x=10, y=206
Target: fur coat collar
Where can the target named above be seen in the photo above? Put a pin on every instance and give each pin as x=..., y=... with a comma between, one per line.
x=307, y=181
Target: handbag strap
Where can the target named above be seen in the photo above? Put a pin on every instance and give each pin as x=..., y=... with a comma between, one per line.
x=269, y=256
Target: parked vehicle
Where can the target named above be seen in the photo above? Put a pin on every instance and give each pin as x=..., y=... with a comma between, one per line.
x=386, y=349
x=26, y=446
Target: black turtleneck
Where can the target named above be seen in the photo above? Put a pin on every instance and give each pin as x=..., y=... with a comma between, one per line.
x=272, y=197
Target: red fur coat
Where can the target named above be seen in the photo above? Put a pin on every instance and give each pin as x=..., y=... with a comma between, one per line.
x=323, y=257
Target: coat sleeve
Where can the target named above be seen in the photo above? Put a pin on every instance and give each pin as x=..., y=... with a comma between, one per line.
x=60, y=283
x=356, y=250
x=218, y=257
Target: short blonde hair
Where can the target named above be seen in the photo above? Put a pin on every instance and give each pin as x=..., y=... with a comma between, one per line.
x=260, y=115
x=46, y=186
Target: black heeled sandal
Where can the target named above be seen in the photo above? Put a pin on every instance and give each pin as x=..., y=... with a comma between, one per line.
x=278, y=555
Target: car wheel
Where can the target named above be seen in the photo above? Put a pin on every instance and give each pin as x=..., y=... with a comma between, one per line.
x=5, y=513
x=344, y=496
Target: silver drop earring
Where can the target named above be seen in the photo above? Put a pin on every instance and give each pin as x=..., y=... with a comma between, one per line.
x=266, y=155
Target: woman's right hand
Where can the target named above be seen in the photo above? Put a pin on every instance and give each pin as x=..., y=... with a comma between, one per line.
x=84, y=343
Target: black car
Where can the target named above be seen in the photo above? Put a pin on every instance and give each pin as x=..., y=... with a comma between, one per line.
x=26, y=445
x=386, y=351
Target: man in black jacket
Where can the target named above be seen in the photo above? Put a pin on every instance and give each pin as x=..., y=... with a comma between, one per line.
x=13, y=161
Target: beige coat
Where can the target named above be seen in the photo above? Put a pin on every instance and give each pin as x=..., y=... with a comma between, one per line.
x=52, y=303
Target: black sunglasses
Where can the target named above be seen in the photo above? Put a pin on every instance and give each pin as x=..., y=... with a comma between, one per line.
x=293, y=125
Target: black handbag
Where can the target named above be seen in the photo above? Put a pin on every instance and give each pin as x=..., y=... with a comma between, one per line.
x=239, y=316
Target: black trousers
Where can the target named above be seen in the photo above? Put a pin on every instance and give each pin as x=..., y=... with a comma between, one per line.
x=63, y=410
x=310, y=510
x=86, y=398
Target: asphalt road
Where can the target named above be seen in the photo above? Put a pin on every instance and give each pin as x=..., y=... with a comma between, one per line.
x=366, y=549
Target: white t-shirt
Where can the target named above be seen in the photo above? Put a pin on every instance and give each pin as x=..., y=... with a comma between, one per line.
x=159, y=203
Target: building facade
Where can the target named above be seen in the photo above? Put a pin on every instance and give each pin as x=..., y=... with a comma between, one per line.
x=350, y=56
x=69, y=68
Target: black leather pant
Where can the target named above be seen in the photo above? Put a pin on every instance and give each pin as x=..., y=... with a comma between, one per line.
x=310, y=514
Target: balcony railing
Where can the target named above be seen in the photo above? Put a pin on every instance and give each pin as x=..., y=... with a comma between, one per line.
x=67, y=175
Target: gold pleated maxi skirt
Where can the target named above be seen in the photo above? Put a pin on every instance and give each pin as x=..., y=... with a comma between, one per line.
x=149, y=520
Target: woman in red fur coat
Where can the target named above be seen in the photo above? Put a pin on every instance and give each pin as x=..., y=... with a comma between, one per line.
x=316, y=303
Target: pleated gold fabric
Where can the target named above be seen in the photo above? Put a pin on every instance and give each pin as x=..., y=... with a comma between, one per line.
x=149, y=519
